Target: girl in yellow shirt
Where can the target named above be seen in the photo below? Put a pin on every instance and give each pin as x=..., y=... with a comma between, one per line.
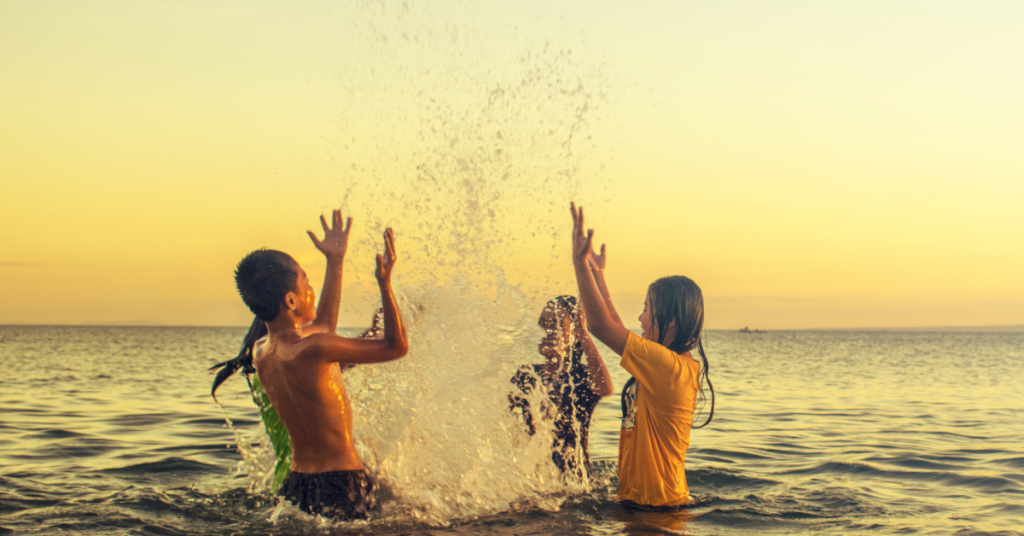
x=659, y=401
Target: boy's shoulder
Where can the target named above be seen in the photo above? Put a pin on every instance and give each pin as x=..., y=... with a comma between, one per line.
x=321, y=338
x=287, y=347
x=260, y=348
x=314, y=344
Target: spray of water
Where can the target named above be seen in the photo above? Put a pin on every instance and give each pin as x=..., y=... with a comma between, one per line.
x=257, y=455
x=473, y=163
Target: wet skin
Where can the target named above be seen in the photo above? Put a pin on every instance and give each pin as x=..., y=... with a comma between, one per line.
x=298, y=361
x=310, y=397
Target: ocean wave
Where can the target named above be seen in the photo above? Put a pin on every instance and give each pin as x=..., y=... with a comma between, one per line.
x=169, y=465
x=713, y=478
x=984, y=483
x=151, y=455
x=1017, y=462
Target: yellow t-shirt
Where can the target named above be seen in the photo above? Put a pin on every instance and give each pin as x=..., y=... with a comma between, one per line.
x=656, y=430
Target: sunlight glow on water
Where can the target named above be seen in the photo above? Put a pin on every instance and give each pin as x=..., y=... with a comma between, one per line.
x=112, y=430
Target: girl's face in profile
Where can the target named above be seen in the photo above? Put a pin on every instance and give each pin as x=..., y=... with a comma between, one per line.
x=646, y=324
x=556, y=334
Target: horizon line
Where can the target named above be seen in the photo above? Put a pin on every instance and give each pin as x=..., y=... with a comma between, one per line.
x=1006, y=328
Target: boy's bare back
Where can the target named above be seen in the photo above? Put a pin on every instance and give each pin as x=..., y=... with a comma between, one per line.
x=310, y=398
x=298, y=360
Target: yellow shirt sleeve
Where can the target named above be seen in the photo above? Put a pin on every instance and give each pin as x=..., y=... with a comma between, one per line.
x=659, y=371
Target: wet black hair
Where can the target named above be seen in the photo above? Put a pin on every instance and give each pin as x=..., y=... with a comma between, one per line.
x=678, y=299
x=566, y=302
x=244, y=359
x=263, y=278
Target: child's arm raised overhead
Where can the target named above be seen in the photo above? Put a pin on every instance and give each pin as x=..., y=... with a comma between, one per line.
x=333, y=246
x=332, y=348
x=597, y=264
x=600, y=378
x=603, y=323
x=394, y=329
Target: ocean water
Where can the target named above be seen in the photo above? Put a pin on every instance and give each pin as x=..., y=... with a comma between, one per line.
x=111, y=430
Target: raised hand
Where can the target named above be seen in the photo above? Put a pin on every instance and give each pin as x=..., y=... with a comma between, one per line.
x=386, y=261
x=602, y=320
x=335, y=242
x=582, y=245
x=598, y=261
x=581, y=323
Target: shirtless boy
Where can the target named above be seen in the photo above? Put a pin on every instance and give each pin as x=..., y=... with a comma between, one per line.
x=297, y=363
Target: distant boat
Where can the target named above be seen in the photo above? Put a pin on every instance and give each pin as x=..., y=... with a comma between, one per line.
x=747, y=330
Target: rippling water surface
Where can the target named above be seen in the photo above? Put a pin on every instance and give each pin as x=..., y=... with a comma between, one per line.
x=112, y=431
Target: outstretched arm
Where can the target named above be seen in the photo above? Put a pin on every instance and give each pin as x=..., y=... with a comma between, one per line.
x=600, y=319
x=394, y=345
x=333, y=246
x=597, y=264
x=394, y=329
x=600, y=378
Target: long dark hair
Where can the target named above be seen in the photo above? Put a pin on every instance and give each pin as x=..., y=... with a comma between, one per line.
x=244, y=359
x=678, y=299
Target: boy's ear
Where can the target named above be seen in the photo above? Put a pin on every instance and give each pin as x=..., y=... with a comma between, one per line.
x=291, y=301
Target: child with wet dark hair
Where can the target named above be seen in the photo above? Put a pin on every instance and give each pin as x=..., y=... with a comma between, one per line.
x=660, y=400
x=573, y=385
x=297, y=363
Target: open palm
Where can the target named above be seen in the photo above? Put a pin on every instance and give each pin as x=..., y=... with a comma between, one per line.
x=335, y=242
x=386, y=261
x=581, y=243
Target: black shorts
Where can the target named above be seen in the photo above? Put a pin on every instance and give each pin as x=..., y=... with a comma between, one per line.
x=337, y=494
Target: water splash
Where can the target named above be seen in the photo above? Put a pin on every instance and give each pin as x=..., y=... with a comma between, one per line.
x=472, y=153
x=481, y=211
x=257, y=453
x=436, y=427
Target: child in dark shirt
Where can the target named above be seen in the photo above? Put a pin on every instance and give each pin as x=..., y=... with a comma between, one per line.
x=573, y=386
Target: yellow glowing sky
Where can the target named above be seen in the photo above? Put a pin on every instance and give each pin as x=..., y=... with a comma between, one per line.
x=809, y=164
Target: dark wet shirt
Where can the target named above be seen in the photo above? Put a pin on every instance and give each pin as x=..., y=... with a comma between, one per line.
x=573, y=400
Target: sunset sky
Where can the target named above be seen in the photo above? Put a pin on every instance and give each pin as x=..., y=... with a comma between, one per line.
x=809, y=164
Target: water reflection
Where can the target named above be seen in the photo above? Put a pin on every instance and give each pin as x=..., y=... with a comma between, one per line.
x=642, y=521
